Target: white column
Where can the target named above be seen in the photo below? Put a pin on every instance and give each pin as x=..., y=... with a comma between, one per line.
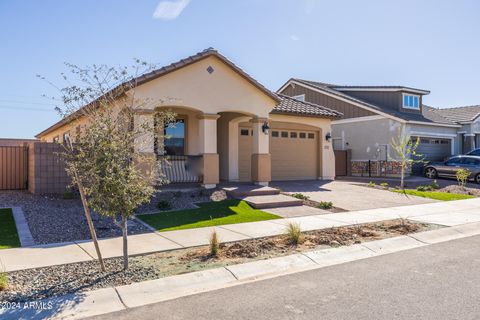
x=260, y=139
x=207, y=139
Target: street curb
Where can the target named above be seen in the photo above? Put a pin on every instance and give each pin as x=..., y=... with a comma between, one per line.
x=138, y=294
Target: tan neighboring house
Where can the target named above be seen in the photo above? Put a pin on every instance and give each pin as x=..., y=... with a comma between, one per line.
x=372, y=116
x=228, y=123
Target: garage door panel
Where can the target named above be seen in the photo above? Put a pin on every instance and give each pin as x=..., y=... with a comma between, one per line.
x=434, y=149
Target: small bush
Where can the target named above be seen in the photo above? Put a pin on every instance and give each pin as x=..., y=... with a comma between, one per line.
x=177, y=194
x=300, y=196
x=68, y=194
x=425, y=188
x=294, y=233
x=384, y=185
x=325, y=205
x=3, y=278
x=214, y=244
x=434, y=185
x=164, y=205
x=462, y=177
x=371, y=184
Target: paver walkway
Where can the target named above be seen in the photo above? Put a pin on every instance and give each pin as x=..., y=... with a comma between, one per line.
x=444, y=213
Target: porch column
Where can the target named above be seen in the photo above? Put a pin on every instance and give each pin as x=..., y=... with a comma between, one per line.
x=261, y=160
x=207, y=143
x=143, y=121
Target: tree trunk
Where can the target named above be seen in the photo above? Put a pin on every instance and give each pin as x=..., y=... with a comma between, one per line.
x=402, y=174
x=93, y=234
x=125, y=243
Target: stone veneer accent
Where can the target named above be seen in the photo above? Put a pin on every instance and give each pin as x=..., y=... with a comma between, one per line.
x=378, y=168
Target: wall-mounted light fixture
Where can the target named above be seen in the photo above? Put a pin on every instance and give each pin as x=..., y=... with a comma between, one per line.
x=265, y=127
x=328, y=136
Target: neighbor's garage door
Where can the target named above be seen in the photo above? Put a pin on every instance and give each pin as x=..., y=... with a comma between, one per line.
x=434, y=149
x=294, y=154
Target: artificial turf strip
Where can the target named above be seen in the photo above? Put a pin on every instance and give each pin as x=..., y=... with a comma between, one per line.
x=209, y=214
x=8, y=230
x=443, y=196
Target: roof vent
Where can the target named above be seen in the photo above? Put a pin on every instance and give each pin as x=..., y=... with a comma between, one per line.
x=210, y=69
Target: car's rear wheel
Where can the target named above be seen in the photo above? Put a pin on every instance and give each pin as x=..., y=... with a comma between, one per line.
x=477, y=178
x=431, y=173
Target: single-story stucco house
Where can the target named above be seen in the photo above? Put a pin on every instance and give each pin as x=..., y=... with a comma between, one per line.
x=234, y=127
x=372, y=116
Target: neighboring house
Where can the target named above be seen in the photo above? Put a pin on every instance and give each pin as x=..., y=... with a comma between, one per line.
x=230, y=125
x=469, y=118
x=373, y=115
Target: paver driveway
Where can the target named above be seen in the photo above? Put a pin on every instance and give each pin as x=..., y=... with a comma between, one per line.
x=348, y=195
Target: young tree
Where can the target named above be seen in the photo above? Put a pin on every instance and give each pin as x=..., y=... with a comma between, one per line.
x=104, y=160
x=405, y=151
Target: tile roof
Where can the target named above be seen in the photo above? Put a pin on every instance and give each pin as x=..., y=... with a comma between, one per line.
x=459, y=114
x=428, y=115
x=291, y=105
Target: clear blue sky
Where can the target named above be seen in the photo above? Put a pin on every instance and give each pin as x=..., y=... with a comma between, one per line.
x=433, y=45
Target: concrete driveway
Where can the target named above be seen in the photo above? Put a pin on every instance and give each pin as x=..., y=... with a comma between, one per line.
x=348, y=195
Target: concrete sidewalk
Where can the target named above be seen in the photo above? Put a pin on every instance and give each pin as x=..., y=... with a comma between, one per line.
x=443, y=213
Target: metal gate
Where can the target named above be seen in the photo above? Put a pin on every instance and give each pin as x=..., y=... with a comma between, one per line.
x=340, y=163
x=13, y=168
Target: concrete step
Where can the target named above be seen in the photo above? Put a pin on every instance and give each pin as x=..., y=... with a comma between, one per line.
x=242, y=191
x=272, y=201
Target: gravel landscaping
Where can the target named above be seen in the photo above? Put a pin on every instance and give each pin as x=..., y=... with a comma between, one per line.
x=33, y=284
x=53, y=219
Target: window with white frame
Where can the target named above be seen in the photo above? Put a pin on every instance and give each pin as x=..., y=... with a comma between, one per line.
x=300, y=97
x=411, y=101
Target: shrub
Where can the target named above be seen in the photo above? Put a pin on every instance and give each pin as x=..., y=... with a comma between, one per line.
x=425, y=188
x=177, y=194
x=300, y=196
x=3, y=278
x=371, y=184
x=462, y=177
x=214, y=244
x=68, y=194
x=164, y=205
x=294, y=233
x=325, y=205
x=384, y=185
x=434, y=185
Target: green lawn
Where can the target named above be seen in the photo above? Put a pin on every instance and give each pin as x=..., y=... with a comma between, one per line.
x=444, y=196
x=8, y=230
x=209, y=214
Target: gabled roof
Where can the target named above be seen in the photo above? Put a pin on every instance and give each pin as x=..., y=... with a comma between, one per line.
x=197, y=57
x=464, y=114
x=289, y=105
x=427, y=115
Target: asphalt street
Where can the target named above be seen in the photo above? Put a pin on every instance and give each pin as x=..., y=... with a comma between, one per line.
x=434, y=282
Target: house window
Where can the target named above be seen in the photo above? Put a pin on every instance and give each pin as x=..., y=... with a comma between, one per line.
x=311, y=136
x=411, y=101
x=56, y=139
x=275, y=134
x=303, y=135
x=244, y=132
x=300, y=97
x=174, y=133
x=284, y=134
x=66, y=136
x=293, y=134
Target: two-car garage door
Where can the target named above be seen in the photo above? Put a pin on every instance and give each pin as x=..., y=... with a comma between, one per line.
x=294, y=154
x=434, y=149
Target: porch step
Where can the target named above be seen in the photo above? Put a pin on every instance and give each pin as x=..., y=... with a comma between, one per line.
x=272, y=201
x=242, y=191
